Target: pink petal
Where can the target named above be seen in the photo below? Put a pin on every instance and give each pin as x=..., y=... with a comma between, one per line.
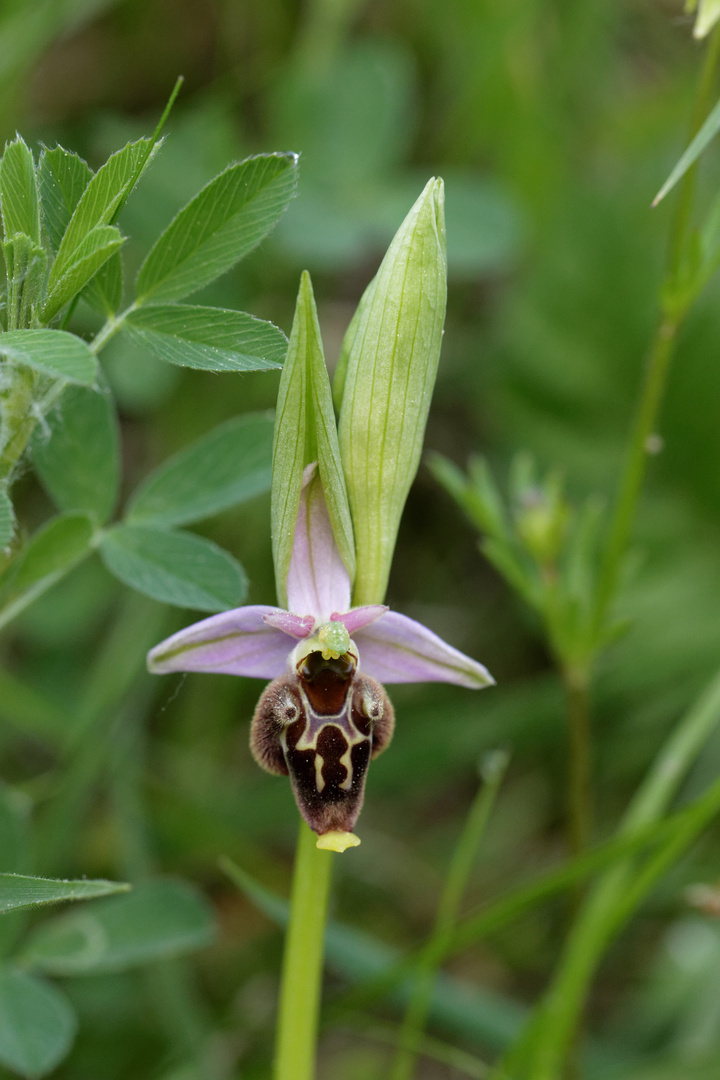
x=358, y=617
x=397, y=649
x=318, y=582
x=297, y=626
x=237, y=642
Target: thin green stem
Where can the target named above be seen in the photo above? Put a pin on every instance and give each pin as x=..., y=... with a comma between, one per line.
x=109, y=330
x=303, y=961
x=580, y=792
x=461, y=866
x=636, y=461
x=677, y=295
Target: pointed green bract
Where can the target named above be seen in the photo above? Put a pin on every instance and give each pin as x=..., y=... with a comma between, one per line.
x=174, y=567
x=393, y=353
x=19, y=192
x=52, y=352
x=211, y=339
x=225, y=467
x=217, y=228
x=305, y=432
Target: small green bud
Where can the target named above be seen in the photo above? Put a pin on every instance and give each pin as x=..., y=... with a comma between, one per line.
x=541, y=518
x=390, y=360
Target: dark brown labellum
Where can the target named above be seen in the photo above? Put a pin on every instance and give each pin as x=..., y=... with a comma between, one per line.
x=322, y=726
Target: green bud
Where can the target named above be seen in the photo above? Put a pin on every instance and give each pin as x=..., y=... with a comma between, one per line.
x=387, y=373
x=541, y=512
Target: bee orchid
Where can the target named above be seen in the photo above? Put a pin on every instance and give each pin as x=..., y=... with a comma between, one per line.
x=325, y=714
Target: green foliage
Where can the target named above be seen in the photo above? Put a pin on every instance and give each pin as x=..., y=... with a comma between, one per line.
x=52, y=552
x=99, y=206
x=223, y=468
x=224, y=222
x=78, y=461
x=21, y=891
x=62, y=179
x=76, y=450
x=7, y=519
x=51, y=352
x=37, y=1024
x=157, y=919
x=207, y=338
x=174, y=567
x=19, y=193
x=547, y=551
x=87, y=258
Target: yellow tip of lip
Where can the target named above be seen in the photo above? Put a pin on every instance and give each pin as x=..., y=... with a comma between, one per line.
x=337, y=841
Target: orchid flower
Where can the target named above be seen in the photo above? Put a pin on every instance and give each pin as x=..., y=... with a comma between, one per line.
x=325, y=714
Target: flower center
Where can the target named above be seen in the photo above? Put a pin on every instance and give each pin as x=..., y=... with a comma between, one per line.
x=333, y=639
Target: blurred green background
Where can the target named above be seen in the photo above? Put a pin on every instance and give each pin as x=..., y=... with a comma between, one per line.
x=553, y=123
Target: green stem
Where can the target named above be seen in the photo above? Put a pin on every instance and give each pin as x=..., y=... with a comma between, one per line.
x=634, y=472
x=448, y=909
x=303, y=961
x=109, y=330
x=676, y=297
x=580, y=796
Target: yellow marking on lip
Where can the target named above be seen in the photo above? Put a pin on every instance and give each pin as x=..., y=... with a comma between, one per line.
x=337, y=841
x=319, y=778
x=346, y=760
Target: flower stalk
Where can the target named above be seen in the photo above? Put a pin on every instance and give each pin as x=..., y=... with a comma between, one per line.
x=299, y=1005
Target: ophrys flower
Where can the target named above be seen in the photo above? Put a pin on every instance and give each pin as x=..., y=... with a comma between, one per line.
x=326, y=713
